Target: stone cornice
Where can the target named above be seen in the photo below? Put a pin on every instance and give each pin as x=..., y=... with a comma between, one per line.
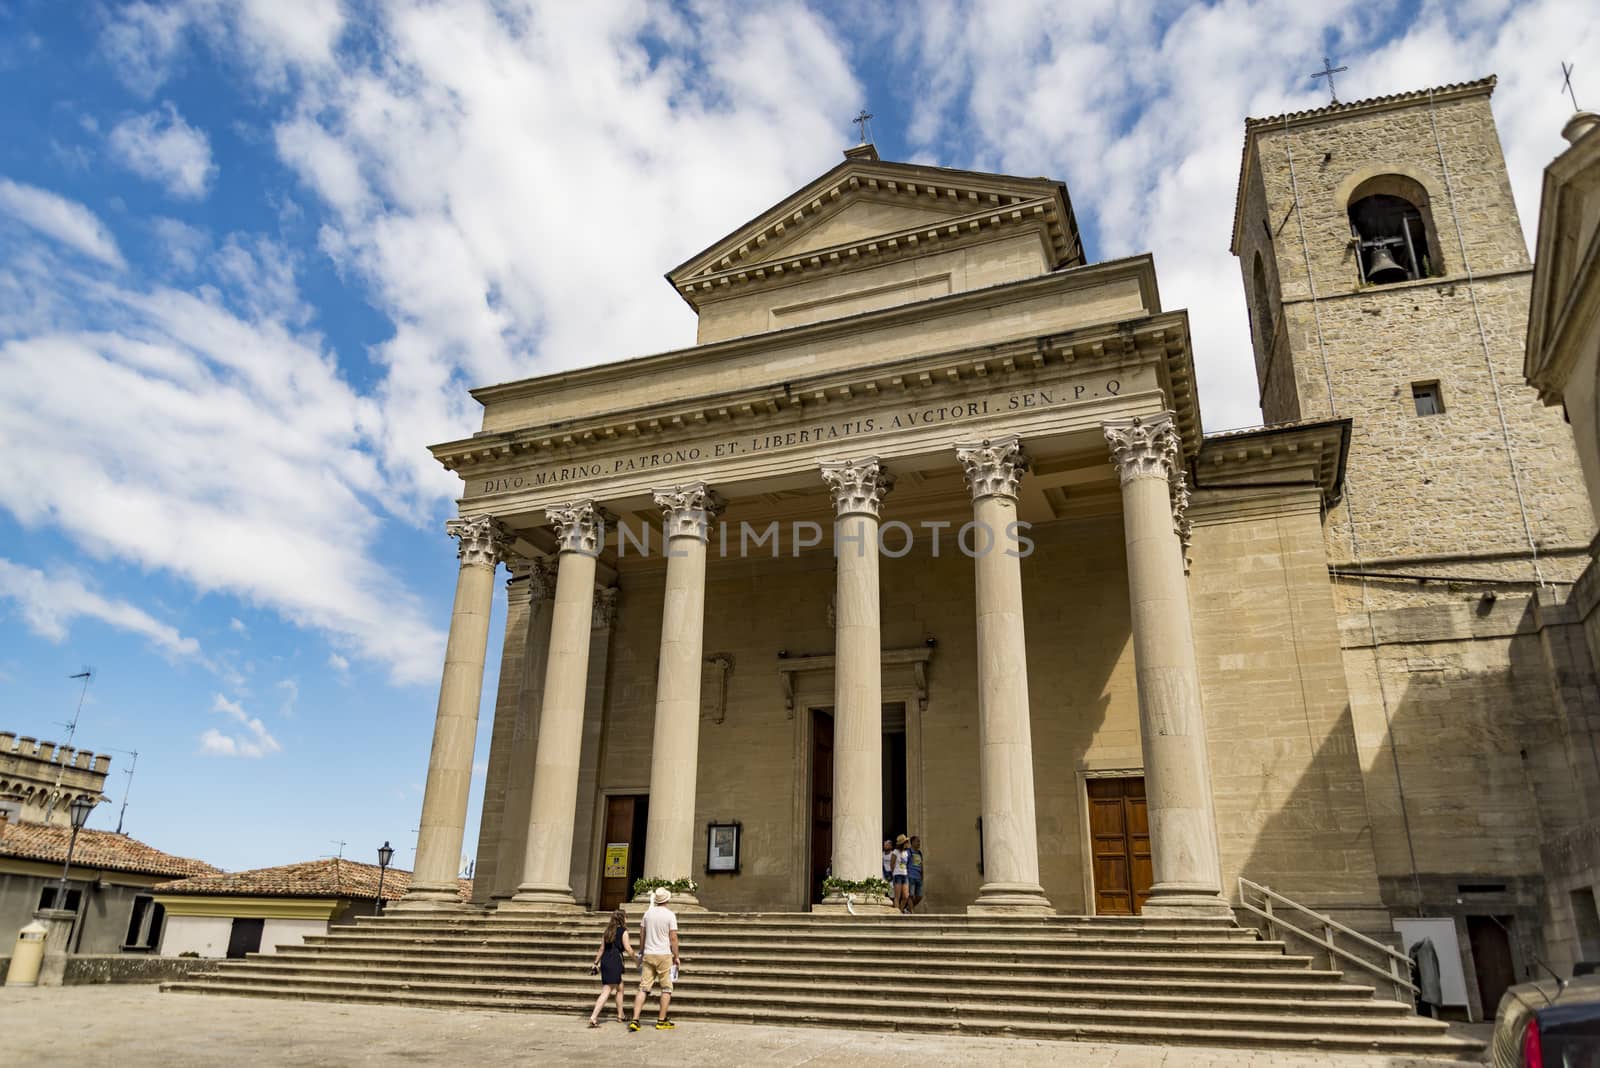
x=965, y=194
x=1288, y=454
x=1565, y=300
x=1140, y=269
x=879, y=248
x=1162, y=339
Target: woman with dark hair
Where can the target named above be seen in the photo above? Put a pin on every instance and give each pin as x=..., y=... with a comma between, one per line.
x=608, y=962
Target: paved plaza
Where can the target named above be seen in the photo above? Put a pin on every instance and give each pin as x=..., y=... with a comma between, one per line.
x=131, y=1026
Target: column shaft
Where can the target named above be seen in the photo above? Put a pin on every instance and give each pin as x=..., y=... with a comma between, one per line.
x=858, y=491
x=455, y=729
x=547, y=862
x=525, y=735
x=1177, y=772
x=994, y=472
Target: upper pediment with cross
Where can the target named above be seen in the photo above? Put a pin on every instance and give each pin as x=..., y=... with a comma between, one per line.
x=872, y=233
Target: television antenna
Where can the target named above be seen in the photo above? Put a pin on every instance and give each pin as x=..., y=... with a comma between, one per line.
x=87, y=675
x=128, y=785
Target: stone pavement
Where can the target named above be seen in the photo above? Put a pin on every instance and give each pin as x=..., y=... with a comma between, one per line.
x=133, y=1026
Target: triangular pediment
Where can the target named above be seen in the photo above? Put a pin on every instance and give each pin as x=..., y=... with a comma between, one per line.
x=870, y=202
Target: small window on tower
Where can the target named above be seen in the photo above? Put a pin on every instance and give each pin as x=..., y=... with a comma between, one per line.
x=1428, y=399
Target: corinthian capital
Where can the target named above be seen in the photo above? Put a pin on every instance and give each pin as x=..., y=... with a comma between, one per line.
x=688, y=509
x=1143, y=447
x=858, y=486
x=994, y=468
x=580, y=527
x=482, y=541
x=532, y=578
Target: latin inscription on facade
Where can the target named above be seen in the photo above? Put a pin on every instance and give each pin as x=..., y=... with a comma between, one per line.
x=821, y=433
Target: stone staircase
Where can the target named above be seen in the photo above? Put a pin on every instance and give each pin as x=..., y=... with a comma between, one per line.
x=1103, y=978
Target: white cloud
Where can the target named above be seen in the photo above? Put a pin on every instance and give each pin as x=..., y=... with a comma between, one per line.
x=161, y=146
x=253, y=740
x=182, y=244
x=288, y=697
x=1141, y=111
x=64, y=220
x=237, y=625
x=50, y=603
x=338, y=663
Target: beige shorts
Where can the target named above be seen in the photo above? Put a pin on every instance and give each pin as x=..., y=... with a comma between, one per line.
x=656, y=967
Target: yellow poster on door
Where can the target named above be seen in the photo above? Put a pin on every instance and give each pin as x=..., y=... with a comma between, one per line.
x=616, y=860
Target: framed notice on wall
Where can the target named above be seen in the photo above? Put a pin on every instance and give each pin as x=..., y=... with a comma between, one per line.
x=722, y=847
x=616, y=860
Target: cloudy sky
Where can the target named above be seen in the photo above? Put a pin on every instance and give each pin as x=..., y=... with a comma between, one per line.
x=253, y=253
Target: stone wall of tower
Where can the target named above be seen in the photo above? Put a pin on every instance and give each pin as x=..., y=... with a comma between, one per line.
x=1454, y=699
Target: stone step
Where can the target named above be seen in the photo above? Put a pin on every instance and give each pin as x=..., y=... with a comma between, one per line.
x=733, y=964
x=786, y=990
x=888, y=926
x=1235, y=1029
x=822, y=944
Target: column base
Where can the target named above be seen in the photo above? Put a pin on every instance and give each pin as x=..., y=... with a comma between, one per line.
x=1011, y=899
x=430, y=897
x=1186, y=901
x=544, y=899
x=680, y=903
x=856, y=905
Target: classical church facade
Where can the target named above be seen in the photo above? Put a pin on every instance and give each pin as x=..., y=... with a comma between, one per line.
x=924, y=535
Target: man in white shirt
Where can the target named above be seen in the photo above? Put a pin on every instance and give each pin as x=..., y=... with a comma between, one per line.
x=658, y=943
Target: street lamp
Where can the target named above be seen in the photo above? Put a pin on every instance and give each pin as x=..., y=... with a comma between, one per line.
x=79, y=809
x=385, y=855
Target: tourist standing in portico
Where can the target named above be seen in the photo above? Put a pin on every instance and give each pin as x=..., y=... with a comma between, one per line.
x=914, y=871
x=902, y=890
x=658, y=938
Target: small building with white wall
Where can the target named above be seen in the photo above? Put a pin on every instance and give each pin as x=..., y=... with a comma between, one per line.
x=236, y=913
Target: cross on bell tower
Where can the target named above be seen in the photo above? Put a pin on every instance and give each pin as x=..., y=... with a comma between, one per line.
x=861, y=120
x=1328, y=71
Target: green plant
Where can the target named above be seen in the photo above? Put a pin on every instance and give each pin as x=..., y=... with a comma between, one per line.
x=858, y=887
x=648, y=883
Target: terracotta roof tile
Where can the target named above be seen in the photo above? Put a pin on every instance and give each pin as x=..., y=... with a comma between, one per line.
x=330, y=877
x=105, y=850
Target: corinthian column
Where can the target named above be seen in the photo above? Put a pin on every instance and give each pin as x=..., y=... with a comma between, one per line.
x=481, y=544
x=1172, y=730
x=547, y=862
x=858, y=489
x=674, y=753
x=994, y=470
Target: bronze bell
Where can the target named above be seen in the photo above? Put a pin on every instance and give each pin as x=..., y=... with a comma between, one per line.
x=1382, y=269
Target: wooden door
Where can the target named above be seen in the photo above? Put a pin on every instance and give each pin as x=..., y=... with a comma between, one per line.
x=622, y=849
x=821, y=799
x=1119, y=837
x=1491, y=959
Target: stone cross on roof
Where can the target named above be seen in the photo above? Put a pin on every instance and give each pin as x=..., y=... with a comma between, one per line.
x=861, y=120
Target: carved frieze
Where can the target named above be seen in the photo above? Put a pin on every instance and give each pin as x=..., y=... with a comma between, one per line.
x=580, y=526
x=993, y=467
x=481, y=541
x=688, y=510
x=858, y=486
x=1143, y=447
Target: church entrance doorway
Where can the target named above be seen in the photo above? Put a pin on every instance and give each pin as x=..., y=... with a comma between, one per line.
x=622, y=855
x=896, y=809
x=1119, y=841
x=1490, y=938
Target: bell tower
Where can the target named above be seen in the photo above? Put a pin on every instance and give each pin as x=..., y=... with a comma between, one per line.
x=1387, y=279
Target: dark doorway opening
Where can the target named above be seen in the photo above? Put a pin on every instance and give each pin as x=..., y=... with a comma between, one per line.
x=1490, y=938
x=1119, y=836
x=821, y=799
x=622, y=851
x=245, y=937
x=894, y=772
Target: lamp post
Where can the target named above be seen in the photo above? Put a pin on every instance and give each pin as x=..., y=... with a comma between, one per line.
x=385, y=855
x=79, y=809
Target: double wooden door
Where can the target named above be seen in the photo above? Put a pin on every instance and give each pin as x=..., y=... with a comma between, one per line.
x=1119, y=835
x=622, y=851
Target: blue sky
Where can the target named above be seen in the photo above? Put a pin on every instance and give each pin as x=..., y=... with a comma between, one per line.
x=253, y=253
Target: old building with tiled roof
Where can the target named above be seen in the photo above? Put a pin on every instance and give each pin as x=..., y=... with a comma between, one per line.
x=234, y=913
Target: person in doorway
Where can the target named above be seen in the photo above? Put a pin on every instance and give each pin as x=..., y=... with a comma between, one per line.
x=658, y=942
x=901, y=883
x=608, y=962
x=914, y=872
x=888, y=861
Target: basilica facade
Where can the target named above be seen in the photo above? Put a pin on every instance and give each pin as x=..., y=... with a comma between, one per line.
x=924, y=535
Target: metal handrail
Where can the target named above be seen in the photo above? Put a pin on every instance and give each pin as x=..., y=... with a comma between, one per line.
x=1399, y=964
